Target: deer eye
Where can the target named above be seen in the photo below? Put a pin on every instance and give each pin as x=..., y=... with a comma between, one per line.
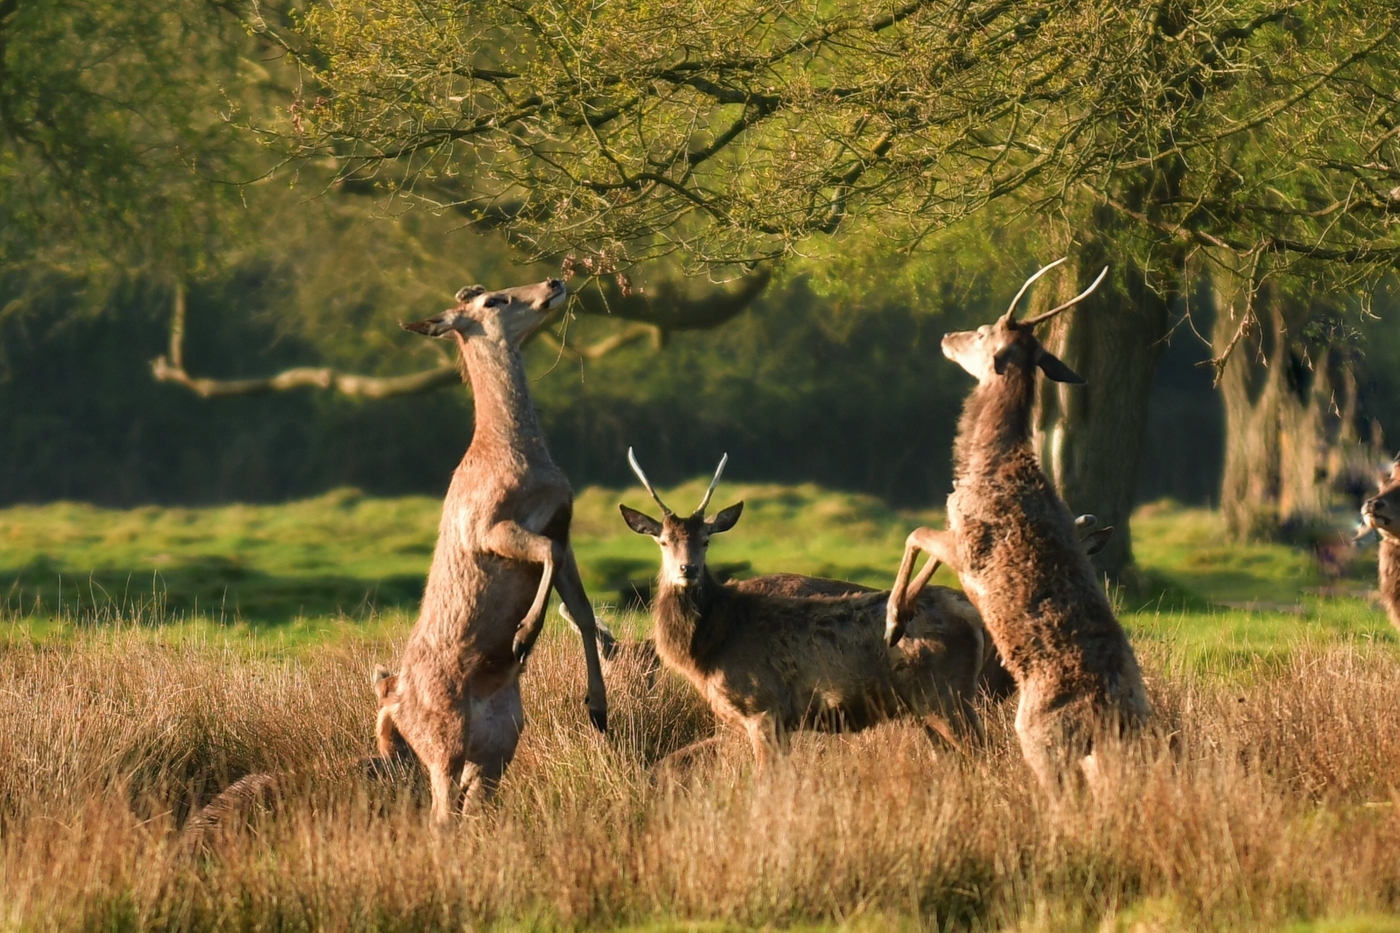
x=494, y=301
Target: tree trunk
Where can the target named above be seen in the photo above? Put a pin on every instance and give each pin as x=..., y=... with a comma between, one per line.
x=1089, y=436
x=1290, y=411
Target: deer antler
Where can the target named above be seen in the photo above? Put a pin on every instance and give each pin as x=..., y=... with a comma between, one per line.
x=637, y=468
x=1010, y=314
x=1031, y=322
x=713, y=483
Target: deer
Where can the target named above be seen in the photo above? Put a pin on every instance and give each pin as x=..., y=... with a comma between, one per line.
x=776, y=664
x=503, y=545
x=1014, y=545
x=639, y=655
x=1381, y=514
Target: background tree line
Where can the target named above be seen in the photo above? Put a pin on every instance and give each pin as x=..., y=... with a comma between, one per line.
x=772, y=212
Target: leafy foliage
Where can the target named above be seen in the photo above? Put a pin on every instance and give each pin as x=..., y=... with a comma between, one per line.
x=730, y=132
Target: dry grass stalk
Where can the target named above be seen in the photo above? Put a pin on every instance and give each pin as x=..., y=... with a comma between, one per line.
x=1278, y=802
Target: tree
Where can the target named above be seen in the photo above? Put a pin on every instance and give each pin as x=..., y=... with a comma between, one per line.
x=728, y=134
x=113, y=152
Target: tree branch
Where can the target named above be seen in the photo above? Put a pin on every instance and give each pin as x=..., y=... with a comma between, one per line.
x=172, y=369
x=653, y=316
x=669, y=308
x=313, y=377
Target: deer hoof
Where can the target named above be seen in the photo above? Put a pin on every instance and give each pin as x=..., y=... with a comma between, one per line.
x=521, y=650
x=599, y=718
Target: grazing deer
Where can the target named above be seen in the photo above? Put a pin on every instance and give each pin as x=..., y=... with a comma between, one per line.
x=1015, y=547
x=775, y=664
x=503, y=543
x=1381, y=513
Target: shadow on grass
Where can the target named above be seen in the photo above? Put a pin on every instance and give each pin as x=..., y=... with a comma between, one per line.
x=217, y=588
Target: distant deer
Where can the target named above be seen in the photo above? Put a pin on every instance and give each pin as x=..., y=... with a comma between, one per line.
x=1014, y=545
x=1381, y=513
x=776, y=664
x=503, y=543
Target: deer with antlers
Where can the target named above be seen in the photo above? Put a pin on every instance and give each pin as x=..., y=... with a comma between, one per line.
x=503, y=544
x=774, y=664
x=1014, y=545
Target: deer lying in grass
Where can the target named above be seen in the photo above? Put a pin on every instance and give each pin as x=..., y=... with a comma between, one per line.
x=775, y=664
x=639, y=655
x=1381, y=513
x=502, y=545
x=1013, y=543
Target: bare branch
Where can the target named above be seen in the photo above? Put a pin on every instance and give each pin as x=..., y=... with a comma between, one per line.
x=313, y=377
x=601, y=348
x=172, y=369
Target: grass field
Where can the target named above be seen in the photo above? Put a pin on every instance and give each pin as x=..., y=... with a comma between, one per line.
x=351, y=564
x=153, y=655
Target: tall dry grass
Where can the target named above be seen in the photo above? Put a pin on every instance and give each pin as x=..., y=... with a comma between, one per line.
x=1254, y=806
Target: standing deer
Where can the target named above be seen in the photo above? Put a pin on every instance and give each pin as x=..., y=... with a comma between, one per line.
x=1381, y=513
x=503, y=543
x=775, y=664
x=1014, y=545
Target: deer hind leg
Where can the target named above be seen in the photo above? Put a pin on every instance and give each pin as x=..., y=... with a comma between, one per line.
x=571, y=591
x=766, y=740
x=513, y=541
x=941, y=548
x=496, y=724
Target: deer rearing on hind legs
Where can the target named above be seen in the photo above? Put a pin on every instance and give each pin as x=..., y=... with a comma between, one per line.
x=1013, y=543
x=503, y=543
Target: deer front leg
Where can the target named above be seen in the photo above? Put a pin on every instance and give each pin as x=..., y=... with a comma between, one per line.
x=941, y=548
x=513, y=541
x=571, y=591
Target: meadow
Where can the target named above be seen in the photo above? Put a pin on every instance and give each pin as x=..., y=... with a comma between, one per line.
x=153, y=655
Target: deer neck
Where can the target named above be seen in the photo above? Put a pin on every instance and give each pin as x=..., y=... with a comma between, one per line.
x=996, y=421
x=682, y=619
x=505, y=415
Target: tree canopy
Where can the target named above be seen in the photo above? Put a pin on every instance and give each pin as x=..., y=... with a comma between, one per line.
x=731, y=132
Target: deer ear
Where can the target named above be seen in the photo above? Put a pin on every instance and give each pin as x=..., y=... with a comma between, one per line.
x=1056, y=370
x=640, y=523
x=726, y=519
x=1095, y=541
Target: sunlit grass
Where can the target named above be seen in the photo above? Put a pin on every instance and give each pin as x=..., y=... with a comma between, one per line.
x=344, y=566
x=248, y=642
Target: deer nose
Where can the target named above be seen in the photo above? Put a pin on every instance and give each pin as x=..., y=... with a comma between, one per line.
x=688, y=570
x=554, y=283
x=1373, y=505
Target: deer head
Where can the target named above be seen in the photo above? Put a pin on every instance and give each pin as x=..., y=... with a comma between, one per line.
x=991, y=349
x=508, y=315
x=683, y=541
x=1381, y=512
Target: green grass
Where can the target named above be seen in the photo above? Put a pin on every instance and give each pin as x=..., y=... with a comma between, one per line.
x=343, y=566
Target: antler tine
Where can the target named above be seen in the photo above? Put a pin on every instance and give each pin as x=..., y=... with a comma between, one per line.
x=713, y=483
x=637, y=468
x=1011, y=309
x=1031, y=322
